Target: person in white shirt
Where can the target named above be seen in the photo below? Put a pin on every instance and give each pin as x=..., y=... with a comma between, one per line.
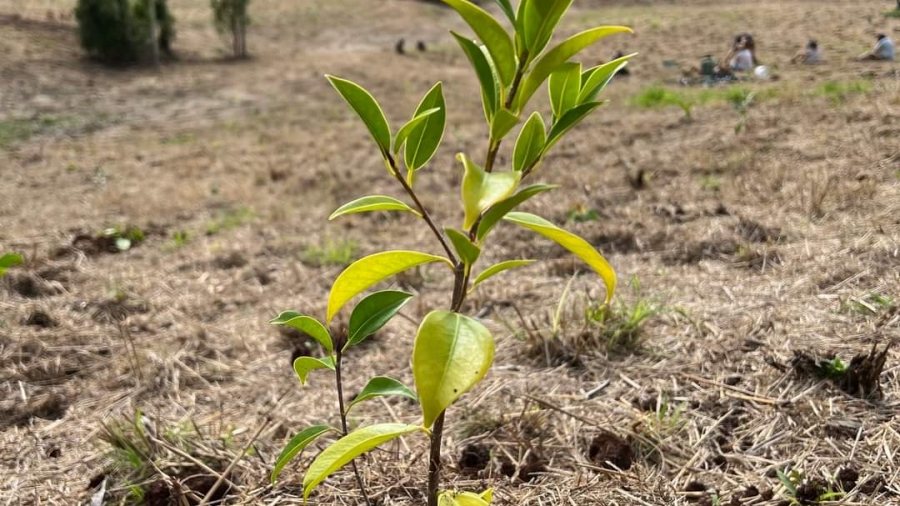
x=811, y=55
x=742, y=57
x=883, y=50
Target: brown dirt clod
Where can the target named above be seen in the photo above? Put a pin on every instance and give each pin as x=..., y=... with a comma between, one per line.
x=611, y=451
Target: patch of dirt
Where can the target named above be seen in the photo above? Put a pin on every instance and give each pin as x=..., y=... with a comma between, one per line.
x=18, y=413
x=694, y=252
x=752, y=231
x=40, y=319
x=474, y=458
x=610, y=451
x=860, y=378
x=31, y=286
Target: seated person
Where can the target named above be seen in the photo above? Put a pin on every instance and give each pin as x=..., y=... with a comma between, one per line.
x=742, y=57
x=811, y=55
x=883, y=50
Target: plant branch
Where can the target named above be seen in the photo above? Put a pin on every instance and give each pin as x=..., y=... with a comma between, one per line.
x=340, y=395
x=425, y=215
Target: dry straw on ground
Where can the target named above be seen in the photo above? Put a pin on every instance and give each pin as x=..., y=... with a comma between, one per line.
x=783, y=238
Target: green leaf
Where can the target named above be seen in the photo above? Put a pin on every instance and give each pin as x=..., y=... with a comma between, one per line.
x=578, y=246
x=499, y=210
x=365, y=105
x=497, y=269
x=425, y=138
x=564, y=87
x=10, y=260
x=540, y=20
x=492, y=35
x=530, y=143
x=305, y=365
x=507, y=9
x=448, y=498
x=296, y=445
x=595, y=79
x=407, y=128
x=568, y=122
x=503, y=122
x=382, y=386
x=559, y=55
x=372, y=203
x=348, y=448
x=467, y=251
x=481, y=190
x=373, y=312
x=484, y=69
x=452, y=353
x=307, y=325
x=788, y=484
x=370, y=270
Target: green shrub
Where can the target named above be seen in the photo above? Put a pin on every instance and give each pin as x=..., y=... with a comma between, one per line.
x=231, y=19
x=657, y=96
x=118, y=31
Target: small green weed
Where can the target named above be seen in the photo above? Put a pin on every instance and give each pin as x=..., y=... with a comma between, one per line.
x=621, y=325
x=340, y=253
x=657, y=96
x=710, y=182
x=179, y=139
x=868, y=304
x=230, y=219
x=839, y=92
x=895, y=13
x=582, y=214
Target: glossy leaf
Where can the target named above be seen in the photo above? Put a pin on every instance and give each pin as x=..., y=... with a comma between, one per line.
x=448, y=498
x=578, y=246
x=382, y=386
x=530, y=143
x=370, y=270
x=568, y=122
x=492, y=34
x=365, y=105
x=503, y=122
x=425, y=138
x=481, y=190
x=307, y=325
x=452, y=353
x=499, y=210
x=540, y=20
x=484, y=69
x=507, y=9
x=467, y=251
x=595, y=79
x=373, y=312
x=305, y=365
x=296, y=445
x=559, y=55
x=564, y=86
x=10, y=260
x=348, y=448
x=407, y=128
x=372, y=203
x=497, y=269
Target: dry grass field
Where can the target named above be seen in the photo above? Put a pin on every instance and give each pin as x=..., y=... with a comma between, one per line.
x=744, y=257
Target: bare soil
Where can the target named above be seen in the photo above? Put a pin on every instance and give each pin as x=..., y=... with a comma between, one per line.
x=783, y=238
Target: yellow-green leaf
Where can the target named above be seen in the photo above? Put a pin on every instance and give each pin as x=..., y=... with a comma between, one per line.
x=452, y=353
x=479, y=58
x=372, y=203
x=348, y=448
x=481, y=190
x=10, y=260
x=365, y=105
x=381, y=386
x=539, y=19
x=499, y=210
x=492, y=35
x=467, y=251
x=406, y=129
x=307, y=325
x=448, y=498
x=425, y=138
x=564, y=87
x=296, y=445
x=497, y=269
x=595, y=79
x=559, y=55
x=368, y=271
x=305, y=365
x=578, y=246
x=530, y=143
x=502, y=123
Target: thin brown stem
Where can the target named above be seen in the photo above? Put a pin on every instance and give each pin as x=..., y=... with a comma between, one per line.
x=425, y=215
x=340, y=395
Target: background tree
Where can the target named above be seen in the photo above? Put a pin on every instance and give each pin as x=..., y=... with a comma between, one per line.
x=231, y=19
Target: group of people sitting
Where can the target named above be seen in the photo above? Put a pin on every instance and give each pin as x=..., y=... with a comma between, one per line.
x=741, y=57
